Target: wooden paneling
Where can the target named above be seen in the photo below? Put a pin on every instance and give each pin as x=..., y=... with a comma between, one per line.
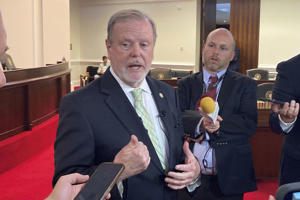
x=43, y=100
x=208, y=22
x=12, y=108
x=31, y=96
x=266, y=147
x=244, y=25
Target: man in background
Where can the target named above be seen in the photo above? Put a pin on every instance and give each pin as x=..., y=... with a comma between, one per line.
x=127, y=118
x=285, y=118
x=103, y=66
x=3, y=47
x=222, y=148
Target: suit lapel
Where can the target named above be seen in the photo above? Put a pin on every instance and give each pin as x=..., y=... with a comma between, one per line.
x=198, y=88
x=225, y=90
x=119, y=104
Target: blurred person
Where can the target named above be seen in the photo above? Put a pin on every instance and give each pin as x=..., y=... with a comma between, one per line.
x=223, y=147
x=285, y=118
x=103, y=66
x=129, y=118
x=3, y=48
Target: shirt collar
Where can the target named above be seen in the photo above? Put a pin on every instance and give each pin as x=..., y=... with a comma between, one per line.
x=126, y=88
x=206, y=74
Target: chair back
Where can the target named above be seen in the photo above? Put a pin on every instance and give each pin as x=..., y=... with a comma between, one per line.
x=234, y=65
x=160, y=73
x=91, y=71
x=264, y=90
x=180, y=73
x=258, y=74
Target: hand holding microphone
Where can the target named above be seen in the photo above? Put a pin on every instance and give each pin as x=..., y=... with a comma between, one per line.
x=209, y=109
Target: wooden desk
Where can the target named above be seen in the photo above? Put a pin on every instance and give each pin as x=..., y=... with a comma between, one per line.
x=172, y=82
x=31, y=96
x=266, y=147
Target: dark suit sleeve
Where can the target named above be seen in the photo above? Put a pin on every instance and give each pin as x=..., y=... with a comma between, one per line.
x=73, y=128
x=283, y=88
x=283, y=91
x=240, y=111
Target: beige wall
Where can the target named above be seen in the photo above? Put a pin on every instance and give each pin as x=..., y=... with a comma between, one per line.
x=176, y=27
x=17, y=19
x=279, y=37
x=38, y=31
x=56, y=30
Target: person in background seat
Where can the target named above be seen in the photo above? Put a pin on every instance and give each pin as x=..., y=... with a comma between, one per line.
x=103, y=66
x=3, y=48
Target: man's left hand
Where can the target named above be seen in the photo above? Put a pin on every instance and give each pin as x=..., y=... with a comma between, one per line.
x=190, y=170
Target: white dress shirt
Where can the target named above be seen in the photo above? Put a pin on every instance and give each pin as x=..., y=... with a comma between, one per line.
x=286, y=127
x=151, y=108
x=203, y=150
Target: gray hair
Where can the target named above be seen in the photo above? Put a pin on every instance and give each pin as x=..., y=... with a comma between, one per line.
x=125, y=15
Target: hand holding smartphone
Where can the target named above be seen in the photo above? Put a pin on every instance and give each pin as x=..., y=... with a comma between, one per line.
x=272, y=101
x=101, y=182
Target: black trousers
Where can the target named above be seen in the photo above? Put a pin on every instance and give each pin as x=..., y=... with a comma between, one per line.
x=208, y=190
x=289, y=171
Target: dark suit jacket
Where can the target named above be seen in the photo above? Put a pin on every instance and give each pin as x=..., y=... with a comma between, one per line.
x=96, y=121
x=237, y=102
x=285, y=89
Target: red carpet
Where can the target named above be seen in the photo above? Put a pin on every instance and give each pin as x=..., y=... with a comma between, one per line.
x=30, y=180
x=25, y=145
x=265, y=188
x=27, y=163
x=28, y=173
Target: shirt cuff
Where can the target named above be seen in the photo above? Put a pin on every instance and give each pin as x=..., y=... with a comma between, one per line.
x=193, y=185
x=286, y=127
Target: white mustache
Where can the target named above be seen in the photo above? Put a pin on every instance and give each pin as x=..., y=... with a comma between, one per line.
x=136, y=62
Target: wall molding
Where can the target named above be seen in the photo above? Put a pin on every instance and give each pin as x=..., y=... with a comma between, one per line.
x=183, y=66
x=79, y=66
x=120, y=2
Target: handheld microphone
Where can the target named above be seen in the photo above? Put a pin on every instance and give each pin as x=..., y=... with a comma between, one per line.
x=207, y=104
x=209, y=108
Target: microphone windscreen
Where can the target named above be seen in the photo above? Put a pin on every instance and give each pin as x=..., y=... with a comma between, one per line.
x=208, y=105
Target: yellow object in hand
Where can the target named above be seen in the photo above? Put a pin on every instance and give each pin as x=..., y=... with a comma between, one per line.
x=207, y=104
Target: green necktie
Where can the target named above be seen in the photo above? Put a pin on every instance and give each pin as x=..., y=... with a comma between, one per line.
x=148, y=124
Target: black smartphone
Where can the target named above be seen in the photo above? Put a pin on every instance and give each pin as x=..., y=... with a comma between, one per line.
x=101, y=182
x=272, y=101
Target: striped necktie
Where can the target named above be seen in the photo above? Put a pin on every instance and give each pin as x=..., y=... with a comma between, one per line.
x=211, y=90
x=148, y=124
